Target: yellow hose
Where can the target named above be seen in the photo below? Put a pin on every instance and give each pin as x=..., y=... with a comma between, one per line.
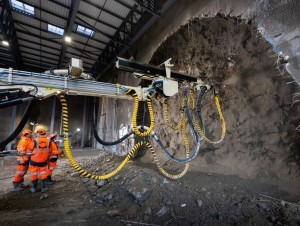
x=222, y=122
x=191, y=98
x=191, y=104
x=166, y=109
x=135, y=113
x=186, y=143
x=70, y=155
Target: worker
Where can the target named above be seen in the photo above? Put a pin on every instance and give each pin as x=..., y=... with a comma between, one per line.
x=53, y=159
x=43, y=148
x=25, y=148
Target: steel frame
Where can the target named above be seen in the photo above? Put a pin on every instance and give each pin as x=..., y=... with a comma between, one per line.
x=9, y=33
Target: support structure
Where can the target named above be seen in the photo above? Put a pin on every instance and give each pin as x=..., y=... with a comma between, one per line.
x=8, y=31
x=12, y=124
x=53, y=115
x=83, y=129
x=70, y=22
x=128, y=33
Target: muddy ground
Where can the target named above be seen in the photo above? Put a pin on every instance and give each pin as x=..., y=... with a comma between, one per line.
x=139, y=195
x=261, y=148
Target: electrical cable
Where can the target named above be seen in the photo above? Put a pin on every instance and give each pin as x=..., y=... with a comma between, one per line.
x=195, y=133
x=199, y=108
x=19, y=127
x=223, y=132
x=95, y=116
x=72, y=160
x=23, y=84
x=165, y=108
x=135, y=97
x=186, y=167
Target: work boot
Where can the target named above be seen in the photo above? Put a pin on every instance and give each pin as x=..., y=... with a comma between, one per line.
x=44, y=186
x=50, y=181
x=17, y=187
x=34, y=186
x=22, y=185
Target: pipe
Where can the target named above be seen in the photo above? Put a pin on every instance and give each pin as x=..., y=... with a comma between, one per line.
x=99, y=140
x=5, y=104
x=19, y=127
x=72, y=159
x=195, y=133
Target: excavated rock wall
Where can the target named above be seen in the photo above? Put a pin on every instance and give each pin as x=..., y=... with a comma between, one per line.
x=261, y=140
x=255, y=99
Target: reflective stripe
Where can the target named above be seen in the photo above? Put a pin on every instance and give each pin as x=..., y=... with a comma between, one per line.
x=51, y=168
x=35, y=173
x=20, y=172
x=53, y=157
x=38, y=151
x=42, y=172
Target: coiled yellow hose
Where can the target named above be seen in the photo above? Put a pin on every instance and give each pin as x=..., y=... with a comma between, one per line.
x=166, y=109
x=222, y=122
x=191, y=104
x=70, y=155
x=191, y=98
x=135, y=113
x=160, y=168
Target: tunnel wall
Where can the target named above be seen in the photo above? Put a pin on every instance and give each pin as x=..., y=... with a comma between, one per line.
x=276, y=22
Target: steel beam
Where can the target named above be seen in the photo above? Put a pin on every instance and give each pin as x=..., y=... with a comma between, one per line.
x=71, y=19
x=84, y=14
x=129, y=34
x=150, y=6
x=8, y=31
x=122, y=35
x=103, y=9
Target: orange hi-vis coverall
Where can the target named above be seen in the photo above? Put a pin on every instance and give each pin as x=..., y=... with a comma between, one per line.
x=42, y=151
x=53, y=161
x=25, y=147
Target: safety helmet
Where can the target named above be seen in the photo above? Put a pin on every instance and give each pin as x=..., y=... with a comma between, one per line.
x=26, y=131
x=52, y=136
x=41, y=131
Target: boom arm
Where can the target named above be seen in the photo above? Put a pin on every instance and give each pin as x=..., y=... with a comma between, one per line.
x=43, y=85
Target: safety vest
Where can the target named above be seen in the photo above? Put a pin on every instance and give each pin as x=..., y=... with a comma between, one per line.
x=41, y=150
x=25, y=147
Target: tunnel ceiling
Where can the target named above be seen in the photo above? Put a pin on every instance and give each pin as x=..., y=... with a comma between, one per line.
x=35, y=31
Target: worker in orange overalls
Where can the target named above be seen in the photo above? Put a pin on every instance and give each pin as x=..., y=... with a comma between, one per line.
x=52, y=160
x=43, y=149
x=25, y=148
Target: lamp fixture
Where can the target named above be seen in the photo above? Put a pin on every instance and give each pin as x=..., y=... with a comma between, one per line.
x=68, y=39
x=5, y=43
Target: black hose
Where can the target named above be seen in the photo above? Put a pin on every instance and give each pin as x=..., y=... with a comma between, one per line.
x=19, y=128
x=198, y=106
x=10, y=103
x=95, y=116
x=196, y=135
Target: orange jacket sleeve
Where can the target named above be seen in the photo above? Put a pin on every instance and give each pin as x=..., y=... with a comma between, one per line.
x=54, y=149
x=22, y=146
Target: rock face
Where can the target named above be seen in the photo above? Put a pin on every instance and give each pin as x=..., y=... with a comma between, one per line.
x=256, y=101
